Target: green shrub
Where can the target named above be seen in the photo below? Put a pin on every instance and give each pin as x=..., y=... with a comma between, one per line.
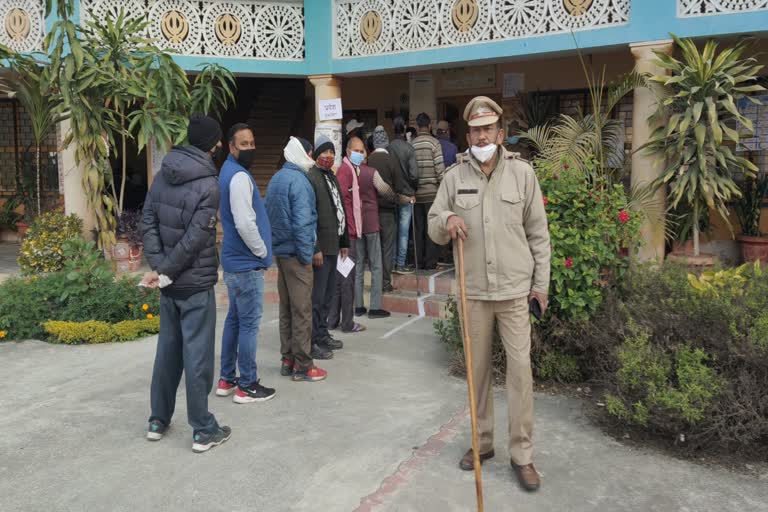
x=557, y=366
x=85, y=289
x=667, y=391
x=43, y=248
x=589, y=224
x=93, y=331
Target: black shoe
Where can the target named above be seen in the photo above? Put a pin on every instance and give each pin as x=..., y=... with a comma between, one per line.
x=332, y=343
x=202, y=441
x=321, y=352
x=286, y=367
x=378, y=313
x=360, y=311
x=157, y=430
x=430, y=267
x=253, y=393
x=406, y=269
x=388, y=289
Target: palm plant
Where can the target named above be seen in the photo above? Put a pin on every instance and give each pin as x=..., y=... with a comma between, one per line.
x=697, y=140
x=31, y=85
x=587, y=141
x=118, y=84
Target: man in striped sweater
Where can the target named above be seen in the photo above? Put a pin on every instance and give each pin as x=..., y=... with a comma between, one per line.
x=429, y=159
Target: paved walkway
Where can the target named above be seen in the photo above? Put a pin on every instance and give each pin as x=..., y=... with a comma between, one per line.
x=8, y=254
x=383, y=433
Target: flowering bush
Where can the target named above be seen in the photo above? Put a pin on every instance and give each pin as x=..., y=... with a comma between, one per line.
x=589, y=225
x=85, y=289
x=43, y=248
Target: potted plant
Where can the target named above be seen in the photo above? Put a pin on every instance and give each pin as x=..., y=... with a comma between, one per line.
x=128, y=250
x=754, y=247
x=697, y=127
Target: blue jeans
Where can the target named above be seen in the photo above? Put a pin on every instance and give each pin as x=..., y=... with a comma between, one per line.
x=404, y=228
x=241, y=328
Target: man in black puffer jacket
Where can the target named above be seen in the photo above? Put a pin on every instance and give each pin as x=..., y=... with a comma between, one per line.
x=179, y=225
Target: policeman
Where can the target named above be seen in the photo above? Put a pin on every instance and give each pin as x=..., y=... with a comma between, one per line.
x=491, y=199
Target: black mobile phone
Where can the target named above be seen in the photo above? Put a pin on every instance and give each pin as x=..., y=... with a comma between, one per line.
x=535, y=308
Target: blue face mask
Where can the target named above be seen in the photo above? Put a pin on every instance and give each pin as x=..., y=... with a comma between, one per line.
x=356, y=158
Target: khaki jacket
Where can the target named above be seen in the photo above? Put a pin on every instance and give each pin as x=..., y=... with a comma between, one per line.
x=507, y=251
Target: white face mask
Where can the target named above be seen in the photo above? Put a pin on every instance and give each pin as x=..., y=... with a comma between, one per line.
x=484, y=153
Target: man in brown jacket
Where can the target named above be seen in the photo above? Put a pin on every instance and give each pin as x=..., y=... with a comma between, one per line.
x=491, y=199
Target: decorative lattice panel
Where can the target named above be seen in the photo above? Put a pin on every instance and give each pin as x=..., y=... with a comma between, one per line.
x=375, y=27
x=22, y=25
x=687, y=8
x=234, y=28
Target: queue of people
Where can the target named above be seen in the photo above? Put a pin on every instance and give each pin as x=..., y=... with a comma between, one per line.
x=316, y=221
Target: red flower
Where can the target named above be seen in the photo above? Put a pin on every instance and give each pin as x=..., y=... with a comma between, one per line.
x=568, y=262
x=623, y=217
x=566, y=166
x=546, y=201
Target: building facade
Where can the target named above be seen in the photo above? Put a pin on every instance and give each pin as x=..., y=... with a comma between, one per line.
x=382, y=58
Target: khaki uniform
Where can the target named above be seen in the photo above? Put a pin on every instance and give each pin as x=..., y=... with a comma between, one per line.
x=507, y=254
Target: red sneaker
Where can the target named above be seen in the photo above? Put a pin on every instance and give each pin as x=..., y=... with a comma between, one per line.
x=314, y=374
x=226, y=387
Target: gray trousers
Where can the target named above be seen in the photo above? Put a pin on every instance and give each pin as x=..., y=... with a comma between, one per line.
x=186, y=343
x=368, y=247
x=342, y=313
x=388, y=236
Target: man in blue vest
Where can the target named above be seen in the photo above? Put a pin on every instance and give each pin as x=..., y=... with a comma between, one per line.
x=245, y=254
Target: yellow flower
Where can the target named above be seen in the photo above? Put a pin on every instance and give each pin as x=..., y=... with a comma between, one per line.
x=150, y=316
x=145, y=307
x=3, y=334
x=130, y=306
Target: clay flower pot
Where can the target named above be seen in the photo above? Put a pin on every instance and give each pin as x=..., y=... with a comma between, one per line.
x=754, y=248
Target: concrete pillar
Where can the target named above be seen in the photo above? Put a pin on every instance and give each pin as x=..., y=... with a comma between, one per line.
x=646, y=168
x=328, y=87
x=71, y=183
x=422, y=97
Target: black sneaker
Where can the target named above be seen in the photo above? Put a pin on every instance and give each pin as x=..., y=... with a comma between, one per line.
x=286, y=367
x=406, y=269
x=332, y=343
x=202, y=441
x=157, y=430
x=253, y=393
x=360, y=311
x=379, y=313
x=389, y=289
x=321, y=352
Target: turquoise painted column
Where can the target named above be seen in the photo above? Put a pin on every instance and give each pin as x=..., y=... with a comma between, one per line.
x=318, y=36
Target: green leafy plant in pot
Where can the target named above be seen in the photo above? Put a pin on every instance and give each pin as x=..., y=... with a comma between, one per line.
x=698, y=125
x=754, y=246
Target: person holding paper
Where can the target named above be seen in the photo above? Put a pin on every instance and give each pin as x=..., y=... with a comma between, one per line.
x=179, y=229
x=332, y=242
x=341, y=314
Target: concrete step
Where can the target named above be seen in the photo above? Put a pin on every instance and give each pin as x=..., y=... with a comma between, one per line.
x=405, y=300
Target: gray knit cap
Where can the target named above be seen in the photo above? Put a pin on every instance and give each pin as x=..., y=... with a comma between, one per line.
x=380, y=137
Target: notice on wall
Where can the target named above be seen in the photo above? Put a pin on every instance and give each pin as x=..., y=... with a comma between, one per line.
x=513, y=83
x=329, y=109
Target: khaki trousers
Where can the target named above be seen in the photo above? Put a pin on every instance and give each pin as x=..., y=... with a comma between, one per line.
x=513, y=320
x=294, y=286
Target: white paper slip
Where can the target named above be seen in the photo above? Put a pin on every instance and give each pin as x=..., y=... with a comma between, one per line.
x=345, y=266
